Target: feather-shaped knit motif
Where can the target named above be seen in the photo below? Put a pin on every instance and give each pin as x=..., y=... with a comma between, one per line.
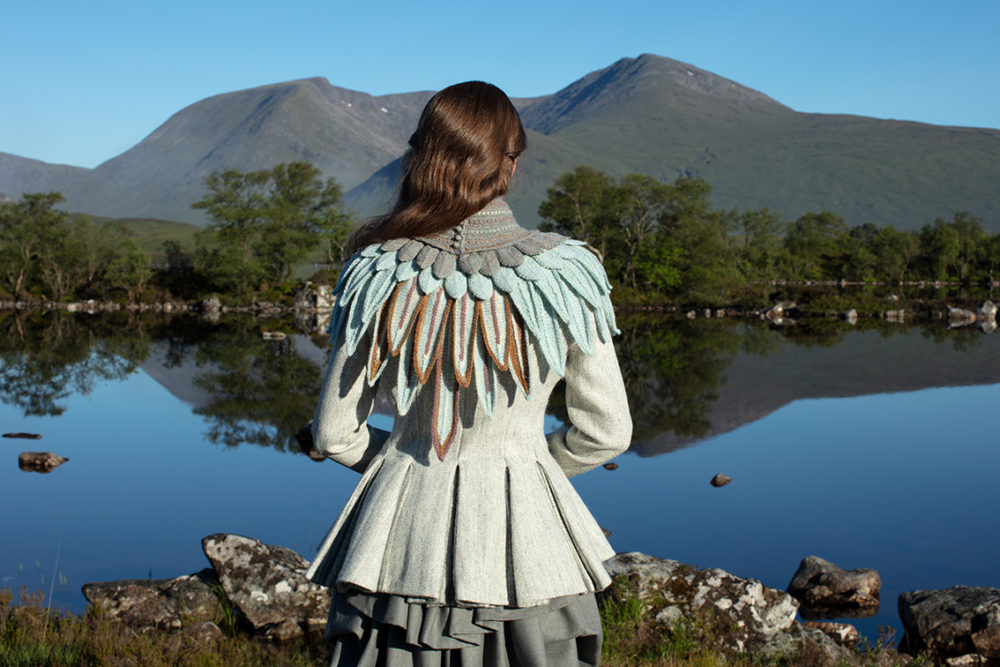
x=461, y=307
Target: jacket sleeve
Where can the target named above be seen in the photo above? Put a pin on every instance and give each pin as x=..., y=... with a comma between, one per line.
x=600, y=425
x=340, y=429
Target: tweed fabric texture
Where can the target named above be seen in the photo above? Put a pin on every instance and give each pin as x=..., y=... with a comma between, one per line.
x=491, y=519
x=458, y=307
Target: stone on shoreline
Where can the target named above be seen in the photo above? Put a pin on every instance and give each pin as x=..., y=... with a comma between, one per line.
x=894, y=315
x=844, y=634
x=960, y=316
x=987, y=310
x=167, y=604
x=952, y=622
x=267, y=584
x=747, y=613
x=827, y=591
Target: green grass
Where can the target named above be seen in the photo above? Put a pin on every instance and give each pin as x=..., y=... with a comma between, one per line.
x=31, y=635
x=150, y=234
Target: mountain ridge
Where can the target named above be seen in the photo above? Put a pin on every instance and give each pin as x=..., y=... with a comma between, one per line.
x=648, y=114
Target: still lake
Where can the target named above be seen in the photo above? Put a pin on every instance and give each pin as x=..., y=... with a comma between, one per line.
x=872, y=446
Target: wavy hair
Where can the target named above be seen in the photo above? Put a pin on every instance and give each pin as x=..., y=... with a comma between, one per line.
x=460, y=158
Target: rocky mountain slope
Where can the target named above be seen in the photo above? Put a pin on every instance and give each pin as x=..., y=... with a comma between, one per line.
x=648, y=114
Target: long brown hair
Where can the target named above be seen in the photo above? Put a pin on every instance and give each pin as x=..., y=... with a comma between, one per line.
x=460, y=158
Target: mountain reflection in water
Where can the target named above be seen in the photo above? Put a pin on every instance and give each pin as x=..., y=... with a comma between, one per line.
x=686, y=379
x=151, y=473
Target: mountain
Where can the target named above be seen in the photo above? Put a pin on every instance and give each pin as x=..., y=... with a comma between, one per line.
x=347, y=134
x=21, y=174
x=665, y=118
x=648, y=114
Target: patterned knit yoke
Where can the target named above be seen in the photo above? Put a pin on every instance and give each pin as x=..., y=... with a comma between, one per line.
x=458, y=308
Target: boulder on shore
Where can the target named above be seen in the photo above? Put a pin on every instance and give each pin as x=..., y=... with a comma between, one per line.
x=747, y=612
x=827, y=591
x=731, y=613
x=953, y=622
x=267, y=584
x=167, y=604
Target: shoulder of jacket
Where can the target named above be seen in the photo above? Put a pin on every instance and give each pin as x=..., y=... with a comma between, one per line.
x=556, y=284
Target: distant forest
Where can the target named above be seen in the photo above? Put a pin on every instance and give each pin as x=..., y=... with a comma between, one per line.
x=661, y=242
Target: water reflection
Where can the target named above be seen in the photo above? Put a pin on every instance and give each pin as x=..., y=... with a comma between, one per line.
x=261, y=392
x=672, y=369
x=46, y=357
x=686, y=379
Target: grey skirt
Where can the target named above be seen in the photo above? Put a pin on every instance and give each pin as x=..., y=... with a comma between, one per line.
x=389, y=631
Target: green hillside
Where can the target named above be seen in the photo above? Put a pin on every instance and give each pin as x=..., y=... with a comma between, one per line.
x=151, y=233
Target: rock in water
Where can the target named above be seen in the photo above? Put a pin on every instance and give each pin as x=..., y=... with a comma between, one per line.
x=720, y=480
x=952, y=622
x=168, y=604
x=827, y=591
x=987, y=311
x=960, y=316
x=211, y=305
x=24, y=436
x=39, y=461
x=267, y=584
x=611, y=466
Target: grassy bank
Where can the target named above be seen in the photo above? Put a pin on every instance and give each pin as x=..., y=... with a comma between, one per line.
x=31, y=634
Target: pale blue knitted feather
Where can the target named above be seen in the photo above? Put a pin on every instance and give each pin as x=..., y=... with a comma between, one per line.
x=461, y=319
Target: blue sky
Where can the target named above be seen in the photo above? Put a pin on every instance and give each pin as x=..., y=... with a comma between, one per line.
x=83, y=82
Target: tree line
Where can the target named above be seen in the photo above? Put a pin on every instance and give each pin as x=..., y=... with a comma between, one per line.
x=661, y=242
x=263, y=224
x=46, y=253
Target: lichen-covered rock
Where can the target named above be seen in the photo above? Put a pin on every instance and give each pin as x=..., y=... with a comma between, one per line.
x=826, y=590
x=266, y=583
x=206, y=631
x=742, y=614
x=167, y=604
x=801, y=645
x=952, y=622
x=844, y=634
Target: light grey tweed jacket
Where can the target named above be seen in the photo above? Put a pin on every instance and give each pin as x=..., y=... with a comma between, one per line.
x=467, y=501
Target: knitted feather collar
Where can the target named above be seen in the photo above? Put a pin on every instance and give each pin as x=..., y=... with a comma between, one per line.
x=462, y=306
